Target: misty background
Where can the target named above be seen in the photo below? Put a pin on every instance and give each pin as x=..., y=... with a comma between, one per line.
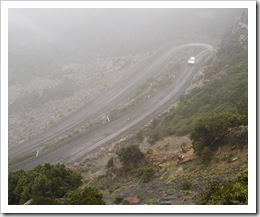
x=43, y=40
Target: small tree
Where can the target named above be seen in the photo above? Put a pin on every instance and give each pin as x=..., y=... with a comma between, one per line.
x=43, y=181
x=110, y=163
x=118, y=199
x=130, y=156
x=41, y=186
x=87, y=196
x=226, y=193
x=25, y=196
x=146, y=173
x=206, y=155
x=212, y=128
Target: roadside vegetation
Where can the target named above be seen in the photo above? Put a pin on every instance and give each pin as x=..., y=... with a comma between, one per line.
x=214, y=116
x=210, y=112
x=226, y=193
x=145, y=169
x=226, y=95
x=50, y=184
x=133, y=163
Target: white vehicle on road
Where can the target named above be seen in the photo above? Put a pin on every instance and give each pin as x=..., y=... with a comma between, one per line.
x=191, y=61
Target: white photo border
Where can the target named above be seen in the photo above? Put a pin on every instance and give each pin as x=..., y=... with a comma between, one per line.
x=250, y=208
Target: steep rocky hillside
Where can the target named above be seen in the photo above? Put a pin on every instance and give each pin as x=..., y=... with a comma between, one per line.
x=38, y=104
x=201, y=140
x=196, y=152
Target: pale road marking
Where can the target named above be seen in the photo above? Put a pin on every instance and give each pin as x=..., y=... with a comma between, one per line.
x=37, y=153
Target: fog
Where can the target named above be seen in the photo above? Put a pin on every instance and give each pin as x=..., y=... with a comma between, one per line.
x=42, y=40
x=80, y=78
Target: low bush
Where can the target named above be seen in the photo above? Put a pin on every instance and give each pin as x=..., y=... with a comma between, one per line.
x=110, y=163
x=210, y=129
x=87, y=196
x=118, y=199
x=130, y=157
x=205, y=155
x=150, y=202
x=48, y=181
x=226, y=193
x=146, y=174
x=186, y=185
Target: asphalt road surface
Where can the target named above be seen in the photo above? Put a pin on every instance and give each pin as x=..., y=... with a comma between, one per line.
x=105, y=133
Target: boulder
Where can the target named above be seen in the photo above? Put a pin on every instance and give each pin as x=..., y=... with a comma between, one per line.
x=178, y=171
x=130, y=201
x=110, y=149
x=117, y=163
x=28, y=202
x=234, y=159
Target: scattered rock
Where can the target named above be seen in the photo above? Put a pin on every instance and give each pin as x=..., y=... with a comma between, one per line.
x=28, y=202
x=164, y=158
x=117, y=163
x=130, y=201
x=180, y=157
x=234, y=159
x=30, y=119
x=170, y=197
x=110, y=149
x=165, y=203
x=113, y=176
x=178, y=171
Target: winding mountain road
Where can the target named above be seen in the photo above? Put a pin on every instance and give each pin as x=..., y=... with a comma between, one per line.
x=105, y=133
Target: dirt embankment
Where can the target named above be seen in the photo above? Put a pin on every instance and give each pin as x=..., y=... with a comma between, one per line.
x=178, y=177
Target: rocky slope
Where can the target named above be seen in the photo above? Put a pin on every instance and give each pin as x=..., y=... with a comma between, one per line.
x=170, y=172
x=35, y=106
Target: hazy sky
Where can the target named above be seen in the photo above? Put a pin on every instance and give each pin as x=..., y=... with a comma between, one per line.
x=40, y=38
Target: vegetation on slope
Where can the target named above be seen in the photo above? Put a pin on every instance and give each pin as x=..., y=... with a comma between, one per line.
x=210, y=130
x=45, y=184
x=226, y=193
x=133, y=163
x=213, y=115
x=224, y=93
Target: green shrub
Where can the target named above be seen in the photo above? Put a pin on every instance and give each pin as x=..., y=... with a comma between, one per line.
x=226, y=193
x=43, y=181
x=130, y=156
x=153, y=137
x=87, y=196
x=146, y=174
x=209, y=130
x=118, y=199
x=110, y=163
x=139, y=136
x=205, y=155
x=229, y=158
x=186, y=185
x=149, y=151
x=201, y=167
x=150, y=202
x=224, y=94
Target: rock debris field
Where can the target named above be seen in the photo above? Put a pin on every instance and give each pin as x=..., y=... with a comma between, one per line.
x=43, y=101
